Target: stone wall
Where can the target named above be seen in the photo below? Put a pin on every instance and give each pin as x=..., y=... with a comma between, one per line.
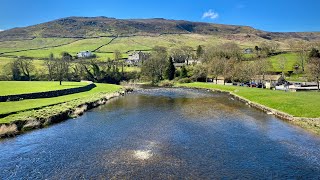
x=47, y=94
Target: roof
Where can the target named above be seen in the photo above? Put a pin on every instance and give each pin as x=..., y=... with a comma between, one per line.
x=267, y=77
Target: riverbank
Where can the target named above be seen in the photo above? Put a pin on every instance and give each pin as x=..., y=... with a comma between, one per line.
x=43, y=116
x=299, y=108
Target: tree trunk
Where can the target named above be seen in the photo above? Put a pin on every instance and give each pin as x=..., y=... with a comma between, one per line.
x=60, y=82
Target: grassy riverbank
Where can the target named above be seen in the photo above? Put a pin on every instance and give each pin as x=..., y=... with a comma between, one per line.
x=24, y=110
x=297, y=104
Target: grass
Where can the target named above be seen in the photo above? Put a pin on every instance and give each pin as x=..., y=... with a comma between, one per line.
x=297, y=77
x=72, y=48
x=298, y=104
x=22, y=87
x=292, y=59
x=7, y=46
x=132, y=69
x=67, y=101
x=122, y=44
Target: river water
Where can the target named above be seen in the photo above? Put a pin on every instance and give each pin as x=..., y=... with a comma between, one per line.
x=165, y=134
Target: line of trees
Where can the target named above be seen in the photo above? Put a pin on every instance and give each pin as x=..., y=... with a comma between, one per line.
x=66, y=68
x=314, y=66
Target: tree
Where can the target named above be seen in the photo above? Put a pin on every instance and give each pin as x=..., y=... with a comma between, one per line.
x=62, y=67
x=117, y=55
x=50, y=65
x=257, y=50
x=170, y=69
x=314, y=66
x=314, y=69
x=226, y=66
x=200, y=72
x=178, y=55
x=314, y=53
x=66, y=55
x=200, y=52
x=25, y=66
x=244, y=71
x=154, y=67
x=302, y=47
x=262, y=66
x=187, y=52
x=15, y=70
x=282, y=64
x=183, y=72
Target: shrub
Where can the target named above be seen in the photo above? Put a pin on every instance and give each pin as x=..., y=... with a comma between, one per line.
x=184, y=80
x=166, y=83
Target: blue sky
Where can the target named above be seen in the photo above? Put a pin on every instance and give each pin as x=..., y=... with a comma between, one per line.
x=269, y=15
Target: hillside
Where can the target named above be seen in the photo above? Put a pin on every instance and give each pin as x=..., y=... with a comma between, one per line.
x=86, y=27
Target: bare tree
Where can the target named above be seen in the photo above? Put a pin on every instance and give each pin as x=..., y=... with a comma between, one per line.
x=25, y=66
x=314, y=69
x=50, y=65
x=200, y=71
x=62, y=67
x=302, y=48
x=117, y=55
x=188, y=53
x=262, y=66
x=214, y=67
x=244, y=71
x=269, y=48
x=314, y=66
x=282, y=64
x=178, y=55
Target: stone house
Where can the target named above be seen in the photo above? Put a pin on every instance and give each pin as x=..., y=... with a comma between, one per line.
x=248, y=51
x=137, y=58
x=84, y=54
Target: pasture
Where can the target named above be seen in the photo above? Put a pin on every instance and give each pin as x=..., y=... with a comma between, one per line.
x=24, y=87
x=29, y=104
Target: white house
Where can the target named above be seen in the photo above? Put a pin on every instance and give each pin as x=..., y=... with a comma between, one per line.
x=84, y=54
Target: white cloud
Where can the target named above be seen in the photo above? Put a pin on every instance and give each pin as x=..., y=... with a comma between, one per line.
x=1, y=30
x=210, y=14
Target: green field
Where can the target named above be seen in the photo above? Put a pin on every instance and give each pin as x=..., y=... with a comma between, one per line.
x=291, y=60
x=8, y=46
x=122, y=44
x=298, y=104
x=16, y=106
x=72, y=48
x=23, y=87
x=125, y=44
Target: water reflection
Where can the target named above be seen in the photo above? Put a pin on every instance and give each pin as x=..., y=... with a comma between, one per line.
x=165, y=134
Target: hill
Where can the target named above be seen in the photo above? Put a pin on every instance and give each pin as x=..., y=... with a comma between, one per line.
x=88, y=27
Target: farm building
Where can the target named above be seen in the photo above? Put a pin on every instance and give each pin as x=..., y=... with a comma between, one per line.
x=248, y=51
x=136, y=58
x=84, y=54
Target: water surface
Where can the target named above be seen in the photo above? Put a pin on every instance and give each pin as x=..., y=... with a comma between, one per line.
x=165, y=134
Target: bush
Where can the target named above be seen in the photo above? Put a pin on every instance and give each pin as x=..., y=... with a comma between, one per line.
x=166, y=83
x=184, y=80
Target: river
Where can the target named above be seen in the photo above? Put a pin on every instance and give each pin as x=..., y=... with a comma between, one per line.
x=165, y=134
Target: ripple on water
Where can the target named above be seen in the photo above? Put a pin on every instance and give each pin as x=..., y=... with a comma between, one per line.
x=165, y=133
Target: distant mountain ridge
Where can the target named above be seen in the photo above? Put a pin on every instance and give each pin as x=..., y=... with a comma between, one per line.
x=86, y=27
